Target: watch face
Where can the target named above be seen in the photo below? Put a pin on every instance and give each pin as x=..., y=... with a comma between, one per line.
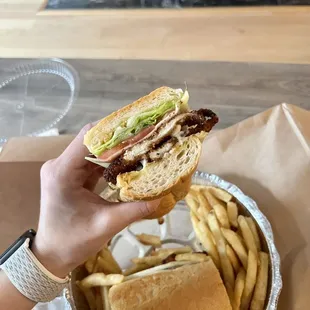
x=7, y=253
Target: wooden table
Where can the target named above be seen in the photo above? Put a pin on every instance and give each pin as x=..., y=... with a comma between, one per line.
x=233, y=90
x=250, y=34
x=237, y=61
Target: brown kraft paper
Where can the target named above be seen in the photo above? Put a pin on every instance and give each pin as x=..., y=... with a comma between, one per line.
x=268, y=157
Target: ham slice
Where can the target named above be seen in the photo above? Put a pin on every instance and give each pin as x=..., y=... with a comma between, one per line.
x=113, y=153
x=109, y=155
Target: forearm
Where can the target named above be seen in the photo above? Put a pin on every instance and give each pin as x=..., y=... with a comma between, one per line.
x=10, y=297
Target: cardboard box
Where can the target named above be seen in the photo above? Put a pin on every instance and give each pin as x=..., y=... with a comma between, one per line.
x=20, y=163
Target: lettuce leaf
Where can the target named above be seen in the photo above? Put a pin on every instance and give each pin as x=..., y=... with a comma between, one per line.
x=135, y=124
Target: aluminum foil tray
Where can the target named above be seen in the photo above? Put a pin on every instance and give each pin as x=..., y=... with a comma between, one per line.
x=177, y=231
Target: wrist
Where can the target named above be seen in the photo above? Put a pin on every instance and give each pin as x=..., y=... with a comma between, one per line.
x=51, y=259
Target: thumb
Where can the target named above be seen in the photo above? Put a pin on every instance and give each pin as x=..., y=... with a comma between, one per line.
x=123, y=214
x=139, y=211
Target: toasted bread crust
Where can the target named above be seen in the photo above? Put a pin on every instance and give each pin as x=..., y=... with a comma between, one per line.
x=178, y=183
x=175, y=191
x=126, y=181
x=191, y=287
x=178, y=192
x=105, y=128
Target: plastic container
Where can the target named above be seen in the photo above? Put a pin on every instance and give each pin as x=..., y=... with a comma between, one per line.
x=35, y=95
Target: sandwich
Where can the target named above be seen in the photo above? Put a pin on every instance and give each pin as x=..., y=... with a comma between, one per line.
x=173, y=286
x=151, y=148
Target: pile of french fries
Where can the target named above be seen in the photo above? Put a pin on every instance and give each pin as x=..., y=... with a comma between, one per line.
x=231, y=240
x=233, y=243
x=160, y=256
x=103, y=272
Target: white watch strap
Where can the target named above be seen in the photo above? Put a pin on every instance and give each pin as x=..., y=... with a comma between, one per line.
x=30, y=277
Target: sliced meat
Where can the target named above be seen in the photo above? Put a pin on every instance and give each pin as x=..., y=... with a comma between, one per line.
x=161, y=150
x=118, y=150
x=159, y=134
x=197, y=122
x=110, y=155
x=187, y=124
x=119, y=166
x=203, y=119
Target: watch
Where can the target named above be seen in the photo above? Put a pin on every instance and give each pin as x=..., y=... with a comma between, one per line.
x=27, y=274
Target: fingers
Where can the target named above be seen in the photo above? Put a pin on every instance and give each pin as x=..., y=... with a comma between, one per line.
x=141, y=210
x=73, y=157
x=132, y=211
x=76, y=151
x=94, y=177
x=123, y=214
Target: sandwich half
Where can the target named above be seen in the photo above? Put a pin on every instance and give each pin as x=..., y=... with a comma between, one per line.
x=193, y=286
x=151, y=148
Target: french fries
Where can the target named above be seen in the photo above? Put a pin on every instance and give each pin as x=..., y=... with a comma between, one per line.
x=230, y=293
x=233, y=258
x=232, y=212
x=107, y=256
x=197, y=187
x=100, y=279
x=221, y=215
x=104, y=292
x=204, y=213
x=99, y=304
x=204, y=235
x=213, y=201
x=226, y=267
x=193, y=257
x=97, y=268
x=89, y=295
x=163, y=267
x=149, y=240
x=260, y=291
x=231, y=240
x=247, y=235
x=200, y=212
x=193, y=204
x=103, y=271
x=239, y=287
x=105, y=266
x=90, y=263
x=166, y=252
x=254, y=232
x=195, y=220
x=215, y=218
x=250, y=280
x=204, y=203
x=135, y=268
x=151, y=261
x=234, y=241
x=220, y=194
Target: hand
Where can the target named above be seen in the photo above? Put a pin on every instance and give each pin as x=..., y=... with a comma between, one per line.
x=76, y=223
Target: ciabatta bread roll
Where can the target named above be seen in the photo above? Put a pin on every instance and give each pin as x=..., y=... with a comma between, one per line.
x=151, y=147
x=190, y=287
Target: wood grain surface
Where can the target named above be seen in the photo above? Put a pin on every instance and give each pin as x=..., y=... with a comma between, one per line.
x=233, y=90
x=254, y=34
x=121, y=4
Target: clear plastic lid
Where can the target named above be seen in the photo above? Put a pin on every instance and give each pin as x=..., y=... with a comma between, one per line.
x=34, y=96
